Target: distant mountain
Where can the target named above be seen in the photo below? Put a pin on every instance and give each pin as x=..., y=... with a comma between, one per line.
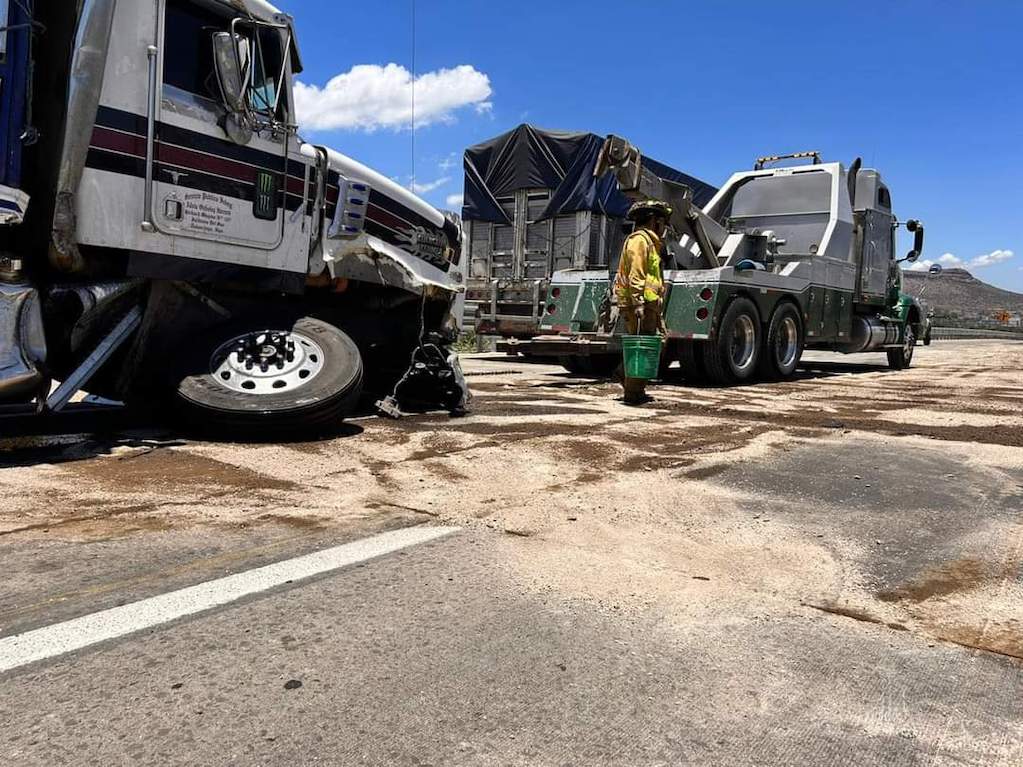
x=957, y=293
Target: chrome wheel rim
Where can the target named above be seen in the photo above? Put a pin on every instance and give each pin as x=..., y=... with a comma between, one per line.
x=266, y=362
x=743, y=343
x=787, y=343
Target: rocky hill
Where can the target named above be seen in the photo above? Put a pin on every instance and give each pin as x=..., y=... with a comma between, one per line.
x=957, y=293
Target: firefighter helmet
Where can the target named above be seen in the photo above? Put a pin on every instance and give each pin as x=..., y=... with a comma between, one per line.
x=644, y=208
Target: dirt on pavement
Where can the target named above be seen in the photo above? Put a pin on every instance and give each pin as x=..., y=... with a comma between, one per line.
x=852, y=493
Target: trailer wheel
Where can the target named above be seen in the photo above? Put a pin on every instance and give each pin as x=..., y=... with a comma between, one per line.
x=732, y=356
x=902, y=358
x=571, y=363
x=267, y=378
x=783, y=344
x=690, y=356
x=604, y=365
x=669, y=354
x=591, y=365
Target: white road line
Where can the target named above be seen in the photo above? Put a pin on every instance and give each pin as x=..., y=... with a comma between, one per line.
x=61, y=638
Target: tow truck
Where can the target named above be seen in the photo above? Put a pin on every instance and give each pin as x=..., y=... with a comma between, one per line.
x=783, y=258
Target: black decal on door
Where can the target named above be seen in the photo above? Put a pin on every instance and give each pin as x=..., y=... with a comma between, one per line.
x=264, y=206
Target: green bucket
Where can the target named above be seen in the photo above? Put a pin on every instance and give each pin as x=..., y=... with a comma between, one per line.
x=642, y=356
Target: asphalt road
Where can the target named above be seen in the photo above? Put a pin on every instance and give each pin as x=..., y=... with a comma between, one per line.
x=821, y=572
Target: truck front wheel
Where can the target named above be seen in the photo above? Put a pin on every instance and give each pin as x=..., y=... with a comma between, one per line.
x=902, y=358
x=783, y=344
x=261, y=379
x=732, y=356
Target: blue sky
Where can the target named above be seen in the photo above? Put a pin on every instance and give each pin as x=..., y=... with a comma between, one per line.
x=930, y=93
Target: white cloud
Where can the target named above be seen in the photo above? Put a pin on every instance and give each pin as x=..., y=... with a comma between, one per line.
x=429, y=186
x=369, y=97
x=448, y=163
x=454, y=201
x=990, y=259
x=979, y=262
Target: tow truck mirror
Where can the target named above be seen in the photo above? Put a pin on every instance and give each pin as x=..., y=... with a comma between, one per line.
x=231, y=62
x=912, y=225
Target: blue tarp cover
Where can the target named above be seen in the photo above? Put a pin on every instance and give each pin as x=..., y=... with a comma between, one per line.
x=562, y=161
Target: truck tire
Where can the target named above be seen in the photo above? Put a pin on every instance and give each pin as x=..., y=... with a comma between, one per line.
x=783, y=343
x=902, y=358
x=732, y=356
x=264, y=379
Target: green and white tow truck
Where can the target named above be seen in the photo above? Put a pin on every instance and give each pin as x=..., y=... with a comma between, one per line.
x=782, y=259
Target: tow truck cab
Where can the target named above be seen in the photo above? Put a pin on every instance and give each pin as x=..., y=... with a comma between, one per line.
x=818, y=238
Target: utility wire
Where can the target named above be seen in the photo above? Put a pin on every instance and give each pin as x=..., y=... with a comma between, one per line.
x=413, y=95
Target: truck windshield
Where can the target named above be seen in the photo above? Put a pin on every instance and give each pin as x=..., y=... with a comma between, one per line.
x=796, y=207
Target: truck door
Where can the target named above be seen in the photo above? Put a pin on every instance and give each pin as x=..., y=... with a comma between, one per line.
x=206, y=186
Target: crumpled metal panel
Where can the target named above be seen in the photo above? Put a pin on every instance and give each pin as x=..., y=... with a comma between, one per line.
x=22, y=343
x=370, y=259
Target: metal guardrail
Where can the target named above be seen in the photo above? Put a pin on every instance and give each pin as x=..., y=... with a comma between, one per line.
x=965, y=334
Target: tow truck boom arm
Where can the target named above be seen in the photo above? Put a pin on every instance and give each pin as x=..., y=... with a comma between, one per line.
x=637, y=182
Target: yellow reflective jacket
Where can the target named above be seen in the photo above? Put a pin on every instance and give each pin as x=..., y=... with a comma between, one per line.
x=639, y=279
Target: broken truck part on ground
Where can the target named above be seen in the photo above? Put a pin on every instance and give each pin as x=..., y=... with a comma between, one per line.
x=168, y=238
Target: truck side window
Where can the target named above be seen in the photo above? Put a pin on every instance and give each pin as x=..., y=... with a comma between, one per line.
x=884, y=198
x=188, y=56
x=188, y=48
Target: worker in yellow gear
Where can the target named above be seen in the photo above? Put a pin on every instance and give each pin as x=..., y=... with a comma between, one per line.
x=639, y=284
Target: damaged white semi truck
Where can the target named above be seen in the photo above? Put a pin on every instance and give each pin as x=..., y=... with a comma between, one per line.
x=168, y=238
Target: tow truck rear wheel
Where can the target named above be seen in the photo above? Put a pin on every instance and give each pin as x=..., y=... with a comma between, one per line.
x=732, y=356
x=783, y=344
x=263, y=379
x=902, y=358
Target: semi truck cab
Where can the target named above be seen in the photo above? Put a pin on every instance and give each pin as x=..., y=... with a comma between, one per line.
x=169, y=164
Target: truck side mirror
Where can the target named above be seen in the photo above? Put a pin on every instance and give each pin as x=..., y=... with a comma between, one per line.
x=912, y=225
x=231, y=62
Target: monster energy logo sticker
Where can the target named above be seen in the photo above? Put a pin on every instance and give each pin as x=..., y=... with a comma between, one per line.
x=265, y=204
